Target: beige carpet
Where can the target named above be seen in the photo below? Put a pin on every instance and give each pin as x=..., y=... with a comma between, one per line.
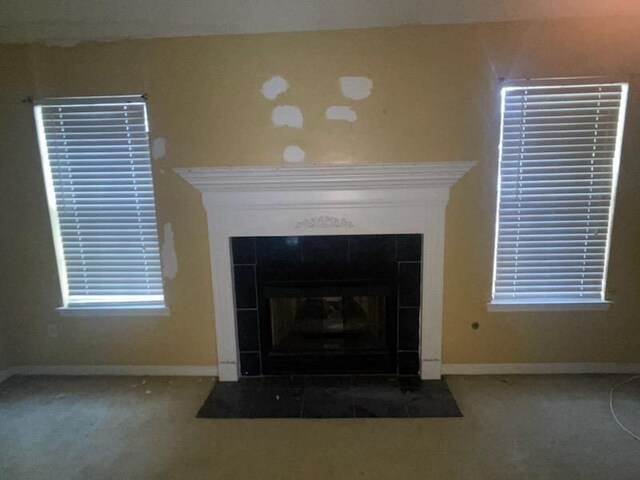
x=533, y=427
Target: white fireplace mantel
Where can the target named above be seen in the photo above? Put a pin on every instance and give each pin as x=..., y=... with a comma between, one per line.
x=326, y=200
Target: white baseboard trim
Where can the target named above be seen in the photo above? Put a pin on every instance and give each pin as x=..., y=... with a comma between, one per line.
x=115, y=370
x=537, y=368
x=212, y=370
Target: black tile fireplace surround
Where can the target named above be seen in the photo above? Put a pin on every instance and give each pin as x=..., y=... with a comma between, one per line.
x=344, y=304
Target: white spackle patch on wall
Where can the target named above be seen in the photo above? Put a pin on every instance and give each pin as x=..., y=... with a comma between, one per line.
x=356, y=88
x=337, y=112
x=287, y=116
x=158, y=148
x=169, y=258
x=293, y=154
x=274, y=87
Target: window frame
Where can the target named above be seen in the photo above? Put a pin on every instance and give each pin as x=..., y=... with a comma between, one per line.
x=560, y=305
x=90, y=308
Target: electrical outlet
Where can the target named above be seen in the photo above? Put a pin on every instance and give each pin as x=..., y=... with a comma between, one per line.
x=52, y=330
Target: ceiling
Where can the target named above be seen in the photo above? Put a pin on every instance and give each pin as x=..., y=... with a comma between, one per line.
x=72, y=21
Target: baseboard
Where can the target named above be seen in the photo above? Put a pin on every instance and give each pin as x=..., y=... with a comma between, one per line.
x=122, y=370
x=537, y=368
x=212, y=370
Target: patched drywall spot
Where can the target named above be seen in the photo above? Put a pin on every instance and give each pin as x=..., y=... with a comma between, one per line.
x=169, y=258
x=356, y=88
x=274, y=87
x=337, y=112
x=287, y=116
x=158, y=148
x=293, y=154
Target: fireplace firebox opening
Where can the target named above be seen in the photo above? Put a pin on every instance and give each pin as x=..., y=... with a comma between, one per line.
x=327, y=324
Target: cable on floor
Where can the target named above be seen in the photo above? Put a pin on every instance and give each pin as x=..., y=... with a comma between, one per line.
x=615, y=417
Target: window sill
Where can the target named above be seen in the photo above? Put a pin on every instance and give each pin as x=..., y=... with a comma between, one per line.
x=128, y=311
x=547, y=307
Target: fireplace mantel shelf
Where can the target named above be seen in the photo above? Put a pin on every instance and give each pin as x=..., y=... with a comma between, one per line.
x=363, y=199
x=325, y=177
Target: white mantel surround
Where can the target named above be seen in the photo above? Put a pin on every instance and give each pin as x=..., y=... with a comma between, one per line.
x=326, y=200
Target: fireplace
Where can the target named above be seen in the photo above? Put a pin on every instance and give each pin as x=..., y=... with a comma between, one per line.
x=339, y=311
x=336, y=304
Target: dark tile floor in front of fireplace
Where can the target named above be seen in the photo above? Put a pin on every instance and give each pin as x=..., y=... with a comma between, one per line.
x=330, y=397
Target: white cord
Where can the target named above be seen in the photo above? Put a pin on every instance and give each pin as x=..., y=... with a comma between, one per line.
x=615, y=417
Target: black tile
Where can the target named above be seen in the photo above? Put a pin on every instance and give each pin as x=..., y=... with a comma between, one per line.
x=409, y=329
x=327, y=402
x=336, y=381
x=279, y=403
x=244, y=279
x=409, y=248
x=326, y=255
x=235, y=400
x=409, y=284
x=244, y=383
x=278, y=381
x=409, y=363
x=379, y=401
x=432, y=400
x=436, y=386
x=248, y=330
x=372, y=252
x=383, y=381
x=428, y=387
x=250, y=363
x=243, y=250
x=275, y=254
x=228, y=401
x=371, y=396
x=411, y=383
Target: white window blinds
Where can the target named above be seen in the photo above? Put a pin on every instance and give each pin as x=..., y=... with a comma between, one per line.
x=560, y=151
x=96, y=162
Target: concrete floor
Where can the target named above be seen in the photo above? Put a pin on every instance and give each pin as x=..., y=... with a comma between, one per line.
x=533, y=427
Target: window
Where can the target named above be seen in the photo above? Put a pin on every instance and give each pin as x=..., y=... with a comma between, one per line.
x=559, y=158
x=97, y=170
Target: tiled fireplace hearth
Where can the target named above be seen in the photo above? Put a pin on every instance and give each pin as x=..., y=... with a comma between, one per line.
x=327, y=269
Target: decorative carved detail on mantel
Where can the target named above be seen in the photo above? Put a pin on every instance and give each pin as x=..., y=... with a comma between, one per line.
x=324, y=221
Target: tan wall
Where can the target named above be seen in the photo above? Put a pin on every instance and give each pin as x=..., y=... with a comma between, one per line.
x=435, y=98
